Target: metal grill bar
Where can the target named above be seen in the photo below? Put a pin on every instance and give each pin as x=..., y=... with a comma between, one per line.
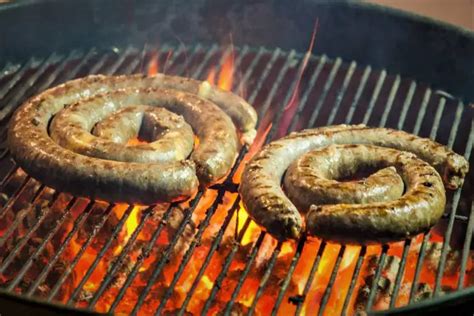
x=449, y=230
x=321, y=62
x=196, y=240
x=18, y=218
x=53, y=77
x=466, y=247
x=119, y=261
x=25, y=86
x=291, y=92
x=211, y=52
x=391, y=98
x=77, y=225
x=342, y=92
x=332, y=278
x=74, y=262
x=23, y=240
x=265, y=277
x=455, y=126
x=214, y=246
x=99, y=256
x=245, y=78
x=401, y=270
x=312, y=274
x=291, y=269
x=375, y=96
x=265, y=73
x=185, y=66
x=406, y=104
x=14, y=196
x=79, y=221
x=9, y=69
x=422, y=112
x=276, y=85
x=437, y=119
x=378, y=273
x=145, y=253
x=419, y=266
x=251, y=257
x=354, y=280
x=18, y=75
x=228, y=261
x=327, y=87
x=99, y=64
x=360, y=89
x=119, y=61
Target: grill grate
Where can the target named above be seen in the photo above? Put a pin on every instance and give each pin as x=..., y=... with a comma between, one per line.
x=316, y=273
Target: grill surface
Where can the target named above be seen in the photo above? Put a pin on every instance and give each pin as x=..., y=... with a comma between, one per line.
x=47, y=236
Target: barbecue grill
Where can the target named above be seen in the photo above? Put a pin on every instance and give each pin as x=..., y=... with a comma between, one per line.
x=66, y=254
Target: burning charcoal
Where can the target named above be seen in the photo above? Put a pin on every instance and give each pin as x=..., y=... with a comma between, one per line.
x=121, y=276
x=85, y=295
x=239, y=309
x=296, y=299
x=385, y=283
x=433, y=255
x=361, y=299
x=422, y=292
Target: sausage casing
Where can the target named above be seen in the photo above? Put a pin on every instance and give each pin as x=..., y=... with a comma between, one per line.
x=210, y=111
x=267, y=203
x=416, y=211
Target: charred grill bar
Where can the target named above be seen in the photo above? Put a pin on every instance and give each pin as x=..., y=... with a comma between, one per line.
x=332, y=92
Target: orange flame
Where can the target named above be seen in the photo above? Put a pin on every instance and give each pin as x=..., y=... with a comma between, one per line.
x=292, y=105
x=153, y=66
x=226, y=74
x=211, y=77
x=225, y=77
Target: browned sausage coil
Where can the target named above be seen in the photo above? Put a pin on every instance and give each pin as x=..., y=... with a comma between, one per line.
x=74, y=137
x=405, y=197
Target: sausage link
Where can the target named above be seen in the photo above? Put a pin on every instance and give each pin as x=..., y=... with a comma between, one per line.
x=70, y=128
x=416, y=211
x=83, y=103
x=268, y=205
x=312, y=179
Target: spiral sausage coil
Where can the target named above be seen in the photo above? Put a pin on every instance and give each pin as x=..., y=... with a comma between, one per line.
x=74, y=137
x=405, y=197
